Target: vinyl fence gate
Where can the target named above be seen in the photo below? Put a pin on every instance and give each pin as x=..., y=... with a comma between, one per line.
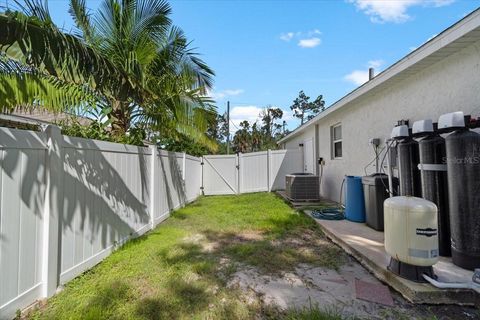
x=248, y=172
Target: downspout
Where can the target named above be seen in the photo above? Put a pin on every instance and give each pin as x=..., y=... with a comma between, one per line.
x=389, y=168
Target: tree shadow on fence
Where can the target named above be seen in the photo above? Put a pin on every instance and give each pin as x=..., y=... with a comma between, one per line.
x=102, y=195
x=173, y=182
x=108, y=189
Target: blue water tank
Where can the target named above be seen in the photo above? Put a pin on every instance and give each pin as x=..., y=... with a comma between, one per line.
x=354, y=200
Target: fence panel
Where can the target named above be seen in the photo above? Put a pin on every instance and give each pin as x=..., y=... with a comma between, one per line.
x=283, y=162
x=22, y=190
x=254, y=171
x=105, y=192
x=220, y=174
x=193, y=177
x=171, y=169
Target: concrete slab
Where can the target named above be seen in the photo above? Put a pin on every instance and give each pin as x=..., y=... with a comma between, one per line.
x=308, y=285
x=304, y=203
x=366, y=245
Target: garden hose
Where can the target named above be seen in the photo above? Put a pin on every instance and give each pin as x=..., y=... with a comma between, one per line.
x=329, y=214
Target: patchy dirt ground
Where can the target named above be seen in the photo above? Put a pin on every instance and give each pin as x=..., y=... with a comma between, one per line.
x=330, y=289
x=300, y=285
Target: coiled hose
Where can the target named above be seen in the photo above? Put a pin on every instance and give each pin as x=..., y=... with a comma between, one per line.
x=331, y=213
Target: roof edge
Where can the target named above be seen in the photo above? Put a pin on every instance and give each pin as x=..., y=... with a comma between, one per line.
x=408, y=60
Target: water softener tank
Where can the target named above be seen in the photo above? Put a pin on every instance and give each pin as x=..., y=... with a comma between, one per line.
x=411, y=237
x=433, y=172
x=408, y=159
x=463, y=171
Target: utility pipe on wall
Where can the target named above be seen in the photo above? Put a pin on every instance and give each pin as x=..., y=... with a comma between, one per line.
x=389, y=169
x=303, y=156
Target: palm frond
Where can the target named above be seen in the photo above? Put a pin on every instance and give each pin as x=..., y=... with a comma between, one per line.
x=81, y=17
x=29, y=41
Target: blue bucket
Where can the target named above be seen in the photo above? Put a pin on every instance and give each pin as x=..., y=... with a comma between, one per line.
x=354, y=200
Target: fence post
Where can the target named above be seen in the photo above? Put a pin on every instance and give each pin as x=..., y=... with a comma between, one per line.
x=269, y=166
x=239, y=165
x=153, y=165
x=184, y=165
x=202, y=164
x=51, y=211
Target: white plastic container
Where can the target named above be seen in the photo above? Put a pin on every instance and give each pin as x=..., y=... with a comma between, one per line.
x=411, y=234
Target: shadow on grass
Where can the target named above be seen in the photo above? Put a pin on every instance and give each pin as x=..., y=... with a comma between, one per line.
x=179, y=215
x=189, y=276
x=105, y=301
x=184, y=298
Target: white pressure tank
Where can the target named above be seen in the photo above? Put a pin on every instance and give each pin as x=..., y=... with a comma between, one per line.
x=411, y=234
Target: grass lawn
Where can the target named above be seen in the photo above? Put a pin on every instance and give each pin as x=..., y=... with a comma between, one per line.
x=181, y=269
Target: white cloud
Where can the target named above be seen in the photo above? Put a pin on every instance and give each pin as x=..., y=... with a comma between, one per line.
x=218, y=95
x=359, y=77
x=251, y=114
x=306, y=39
x=287, y=36
x=375, y=63
x=314, y=32
x=309, y=43
x=381, y=11
x=241, y=113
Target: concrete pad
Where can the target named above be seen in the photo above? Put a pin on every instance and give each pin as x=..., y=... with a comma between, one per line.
x=366, y=245
x=309, y=285
x=299, y=204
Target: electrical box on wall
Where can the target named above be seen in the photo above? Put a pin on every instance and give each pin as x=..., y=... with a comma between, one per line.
x=374, y=142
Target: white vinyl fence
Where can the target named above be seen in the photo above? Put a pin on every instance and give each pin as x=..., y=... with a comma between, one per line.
x=66, y=203
x=249, y=172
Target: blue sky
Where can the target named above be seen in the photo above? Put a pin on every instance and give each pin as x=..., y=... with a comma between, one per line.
x=265, y=52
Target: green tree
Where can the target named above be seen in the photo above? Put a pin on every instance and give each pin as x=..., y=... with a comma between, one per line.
x=270, y=128
x=242, y=140
x=221, y=133
x=269, y=116
x=256, y=138
x=304, y=109
x=126, y=59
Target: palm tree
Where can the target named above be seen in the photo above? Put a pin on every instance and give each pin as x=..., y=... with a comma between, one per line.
x=125, y=59
x=242, y=139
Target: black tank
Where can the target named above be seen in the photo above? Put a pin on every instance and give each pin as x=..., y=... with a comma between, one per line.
x=434, y=186
x=463, y=165
x=408, y=173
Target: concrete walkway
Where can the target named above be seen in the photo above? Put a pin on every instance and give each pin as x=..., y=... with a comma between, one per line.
x=366, y=245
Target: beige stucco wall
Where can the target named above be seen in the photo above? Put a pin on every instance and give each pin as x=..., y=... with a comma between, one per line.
x=452, y=84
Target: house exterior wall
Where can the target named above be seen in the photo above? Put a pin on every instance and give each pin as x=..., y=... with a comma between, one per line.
x=295, y=142
x=451, y=84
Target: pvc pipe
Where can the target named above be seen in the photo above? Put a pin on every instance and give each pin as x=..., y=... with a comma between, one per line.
x=452, y=285
x=389, y=166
